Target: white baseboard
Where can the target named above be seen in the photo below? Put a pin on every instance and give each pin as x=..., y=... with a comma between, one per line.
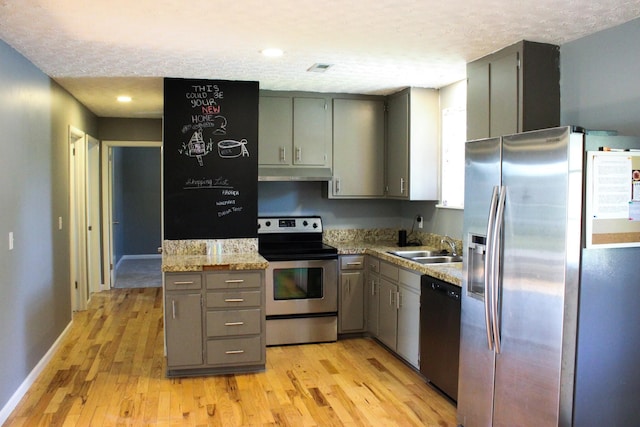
x=142, y=256
x=31, y=378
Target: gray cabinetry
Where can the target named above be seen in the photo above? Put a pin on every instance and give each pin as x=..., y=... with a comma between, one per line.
x=408, y=340
x=235, y=319
x=275, y=130
x=516, y=89
x=393, y=308
x=412, y=145
x=294, y=130
x=183, y=325
x=358, y=148
x=351, y=301
x=214, y=322
x=372, y=289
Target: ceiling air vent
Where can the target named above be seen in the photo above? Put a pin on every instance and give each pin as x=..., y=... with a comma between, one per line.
x=319, y=68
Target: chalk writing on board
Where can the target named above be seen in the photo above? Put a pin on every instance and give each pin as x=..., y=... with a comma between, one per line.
x=229, y=148
x=196, y=147
x=229, y=211
x=211, y=183
x=218, y=123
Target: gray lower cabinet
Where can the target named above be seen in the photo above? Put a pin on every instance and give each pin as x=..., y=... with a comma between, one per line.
x=393, y=308
x=388, y=314
x=351, y=302
x=183, y=325
x=214, y=322
x=408, y=340
x=372, y=289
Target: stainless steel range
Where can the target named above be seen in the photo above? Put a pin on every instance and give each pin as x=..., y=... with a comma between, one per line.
x=301, y=280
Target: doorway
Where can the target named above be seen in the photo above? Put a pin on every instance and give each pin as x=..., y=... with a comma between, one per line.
x=118, y=226
x=84, y=217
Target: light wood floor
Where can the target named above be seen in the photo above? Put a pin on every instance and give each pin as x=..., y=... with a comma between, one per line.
x=110, y=371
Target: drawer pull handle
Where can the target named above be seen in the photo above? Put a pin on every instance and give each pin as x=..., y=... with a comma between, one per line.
x=234, y=324
x=234, y=300
x=354, y=263
x=184, y=283
x=234, y=281
x=234, y=352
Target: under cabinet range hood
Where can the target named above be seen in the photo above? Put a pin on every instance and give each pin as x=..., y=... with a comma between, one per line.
x=294, y=174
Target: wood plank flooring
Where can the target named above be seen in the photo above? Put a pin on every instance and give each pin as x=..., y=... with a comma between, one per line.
x=110, y=371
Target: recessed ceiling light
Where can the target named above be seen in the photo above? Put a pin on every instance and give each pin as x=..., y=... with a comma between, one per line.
x=124, y=98
x=272, y=52
x=319, y=68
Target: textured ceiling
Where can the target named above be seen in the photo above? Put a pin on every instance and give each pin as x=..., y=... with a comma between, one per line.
x=102, y=48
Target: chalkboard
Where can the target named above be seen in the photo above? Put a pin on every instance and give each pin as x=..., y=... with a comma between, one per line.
x=210, y=152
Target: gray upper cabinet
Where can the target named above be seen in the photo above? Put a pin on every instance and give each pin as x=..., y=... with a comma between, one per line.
x=412, y=145
x=358, y=148
x=275, y=130
x=294, y=130
x=516, y=89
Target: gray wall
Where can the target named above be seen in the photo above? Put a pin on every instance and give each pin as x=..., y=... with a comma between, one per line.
x=600, y=80
x=119, y=129
x=309, y=198
x=35, y=294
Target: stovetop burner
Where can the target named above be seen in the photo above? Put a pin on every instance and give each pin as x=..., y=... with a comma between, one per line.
x=293, y=238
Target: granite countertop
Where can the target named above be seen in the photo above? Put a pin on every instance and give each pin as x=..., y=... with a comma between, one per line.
x=449, y=272
x=223, y=261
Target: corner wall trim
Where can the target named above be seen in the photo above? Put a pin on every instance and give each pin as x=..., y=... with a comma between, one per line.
x=12, y=403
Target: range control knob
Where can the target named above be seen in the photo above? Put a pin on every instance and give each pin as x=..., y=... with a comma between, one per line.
x=315, y=225
x=268, y=223
x=305, y=223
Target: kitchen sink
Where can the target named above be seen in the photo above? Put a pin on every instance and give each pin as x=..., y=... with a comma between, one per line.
x=427, y=257
x=414, y=254
x=437, y=259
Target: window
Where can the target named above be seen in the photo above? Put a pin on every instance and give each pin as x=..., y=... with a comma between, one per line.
x=454, y=131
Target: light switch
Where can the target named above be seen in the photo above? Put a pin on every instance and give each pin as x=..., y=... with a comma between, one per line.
x=11, y=240
x=59, y=223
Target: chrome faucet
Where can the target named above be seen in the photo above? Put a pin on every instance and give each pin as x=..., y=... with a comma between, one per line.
x=449, y=241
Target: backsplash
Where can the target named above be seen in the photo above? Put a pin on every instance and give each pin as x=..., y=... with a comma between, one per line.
x=209, y=247
x=420, y=238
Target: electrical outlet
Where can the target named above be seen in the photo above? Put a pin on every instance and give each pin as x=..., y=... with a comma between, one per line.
x=59, y=223
x=419, y=221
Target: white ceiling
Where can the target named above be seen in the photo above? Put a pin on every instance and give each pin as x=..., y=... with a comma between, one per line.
x=102, y=48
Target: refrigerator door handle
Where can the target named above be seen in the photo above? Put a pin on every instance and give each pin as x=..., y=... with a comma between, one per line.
x=496, y=260
x=488, y=272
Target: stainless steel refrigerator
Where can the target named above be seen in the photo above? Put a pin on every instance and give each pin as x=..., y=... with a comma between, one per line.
x=550, y=311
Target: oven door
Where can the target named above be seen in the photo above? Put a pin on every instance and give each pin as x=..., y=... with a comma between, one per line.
x=301, y=287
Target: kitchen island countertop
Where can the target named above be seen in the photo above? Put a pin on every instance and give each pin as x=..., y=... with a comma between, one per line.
x=449, y=272
x=223, y=261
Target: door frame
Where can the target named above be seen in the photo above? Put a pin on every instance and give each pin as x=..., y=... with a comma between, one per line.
x=107, y=201
x=77, y=219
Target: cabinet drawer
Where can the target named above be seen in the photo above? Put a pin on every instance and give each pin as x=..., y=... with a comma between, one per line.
x=176, y=282
x=373, y=264
x=410, y=279
x=230, y=299
x=233, y=322
x=389, y=270
x=352, y=262
x=233, y=280
x=234, y=351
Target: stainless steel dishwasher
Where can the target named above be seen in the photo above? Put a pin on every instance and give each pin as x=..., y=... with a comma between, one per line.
x=440, y=334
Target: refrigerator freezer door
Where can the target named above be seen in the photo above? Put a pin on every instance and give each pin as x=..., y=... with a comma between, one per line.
x=535, y=173
x=477, y=359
